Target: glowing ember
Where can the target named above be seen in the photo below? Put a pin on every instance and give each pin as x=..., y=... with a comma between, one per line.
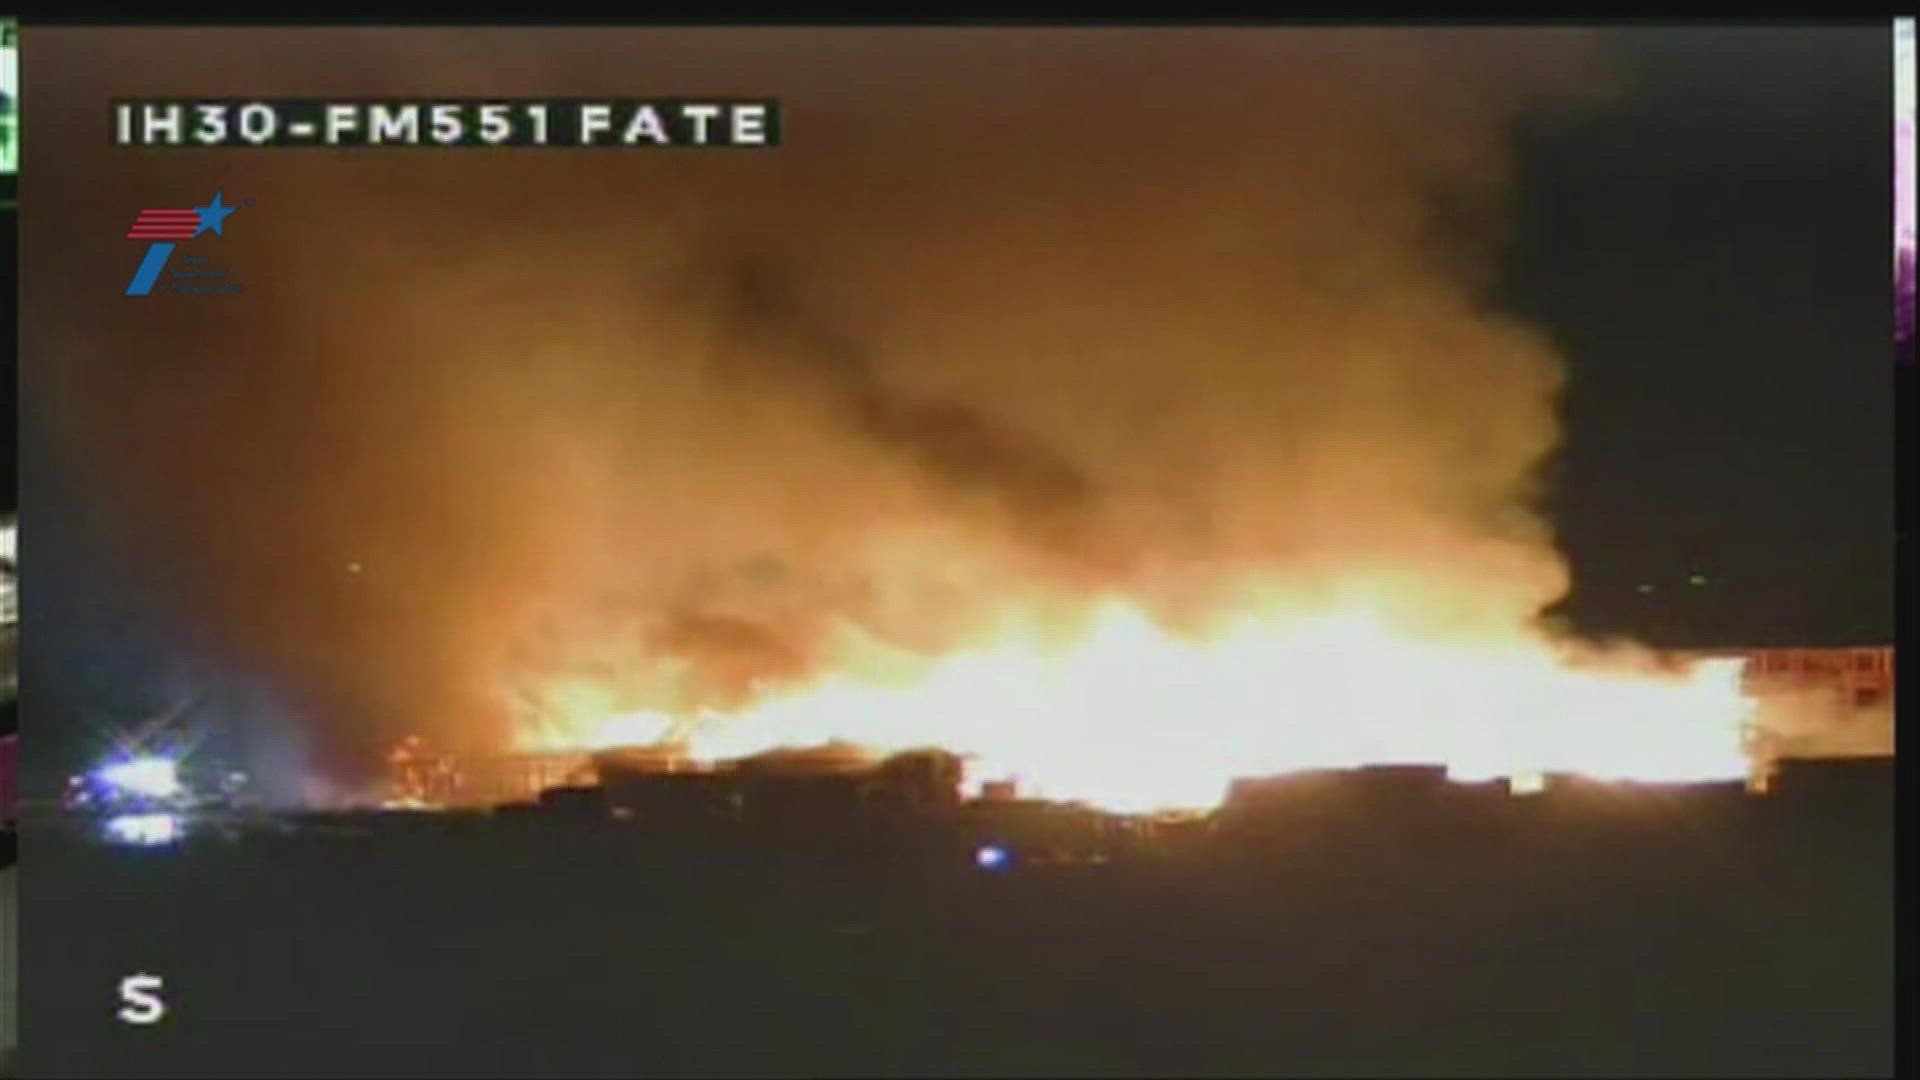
x=1133, y=717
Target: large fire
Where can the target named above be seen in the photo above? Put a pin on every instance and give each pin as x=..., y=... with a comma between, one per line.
x=1132, y=716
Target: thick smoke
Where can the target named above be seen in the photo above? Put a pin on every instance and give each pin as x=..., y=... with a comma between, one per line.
x=1014, y=317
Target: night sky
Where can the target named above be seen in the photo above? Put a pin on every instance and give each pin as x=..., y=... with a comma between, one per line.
x=1710, y=254
x=1706, y=247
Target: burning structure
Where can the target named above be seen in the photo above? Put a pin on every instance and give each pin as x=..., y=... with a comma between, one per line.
x=833, y=786
x=1801, y=703
x=662, y=785
x=1818, y=703
x=420, y=777
x=1134, y=718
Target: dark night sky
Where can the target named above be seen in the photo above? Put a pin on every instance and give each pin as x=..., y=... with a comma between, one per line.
x=1709, y=251
x=1711, y=255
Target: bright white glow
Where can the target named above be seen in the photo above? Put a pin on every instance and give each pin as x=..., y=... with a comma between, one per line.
x=1526, y=783
x=152, y=777
x=144, y=830
x=990, y=857
x=9, y=556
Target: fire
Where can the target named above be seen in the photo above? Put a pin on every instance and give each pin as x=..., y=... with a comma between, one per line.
x=1133, y=717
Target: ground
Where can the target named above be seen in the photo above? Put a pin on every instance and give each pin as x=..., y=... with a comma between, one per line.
x=1664, y=940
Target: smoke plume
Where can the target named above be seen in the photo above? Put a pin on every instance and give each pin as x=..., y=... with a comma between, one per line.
x=1014, y=317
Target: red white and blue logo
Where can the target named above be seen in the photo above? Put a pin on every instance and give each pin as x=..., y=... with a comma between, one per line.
x=164, y=229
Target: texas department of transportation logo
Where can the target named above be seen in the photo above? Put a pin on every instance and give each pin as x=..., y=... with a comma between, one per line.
x=165, y=229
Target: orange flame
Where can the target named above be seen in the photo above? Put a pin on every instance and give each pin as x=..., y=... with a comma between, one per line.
x=1133, y=718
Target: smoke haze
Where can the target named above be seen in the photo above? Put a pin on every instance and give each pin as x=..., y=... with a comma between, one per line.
x=1014, y=318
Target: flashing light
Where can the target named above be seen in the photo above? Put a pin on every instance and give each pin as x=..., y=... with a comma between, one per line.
x=144, y=830
x=992, y=857
x=150, y=777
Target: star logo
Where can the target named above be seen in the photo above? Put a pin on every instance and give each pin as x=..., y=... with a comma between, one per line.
x=212, y=215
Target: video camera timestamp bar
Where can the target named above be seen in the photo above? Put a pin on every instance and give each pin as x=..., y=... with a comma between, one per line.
x=546, y=123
